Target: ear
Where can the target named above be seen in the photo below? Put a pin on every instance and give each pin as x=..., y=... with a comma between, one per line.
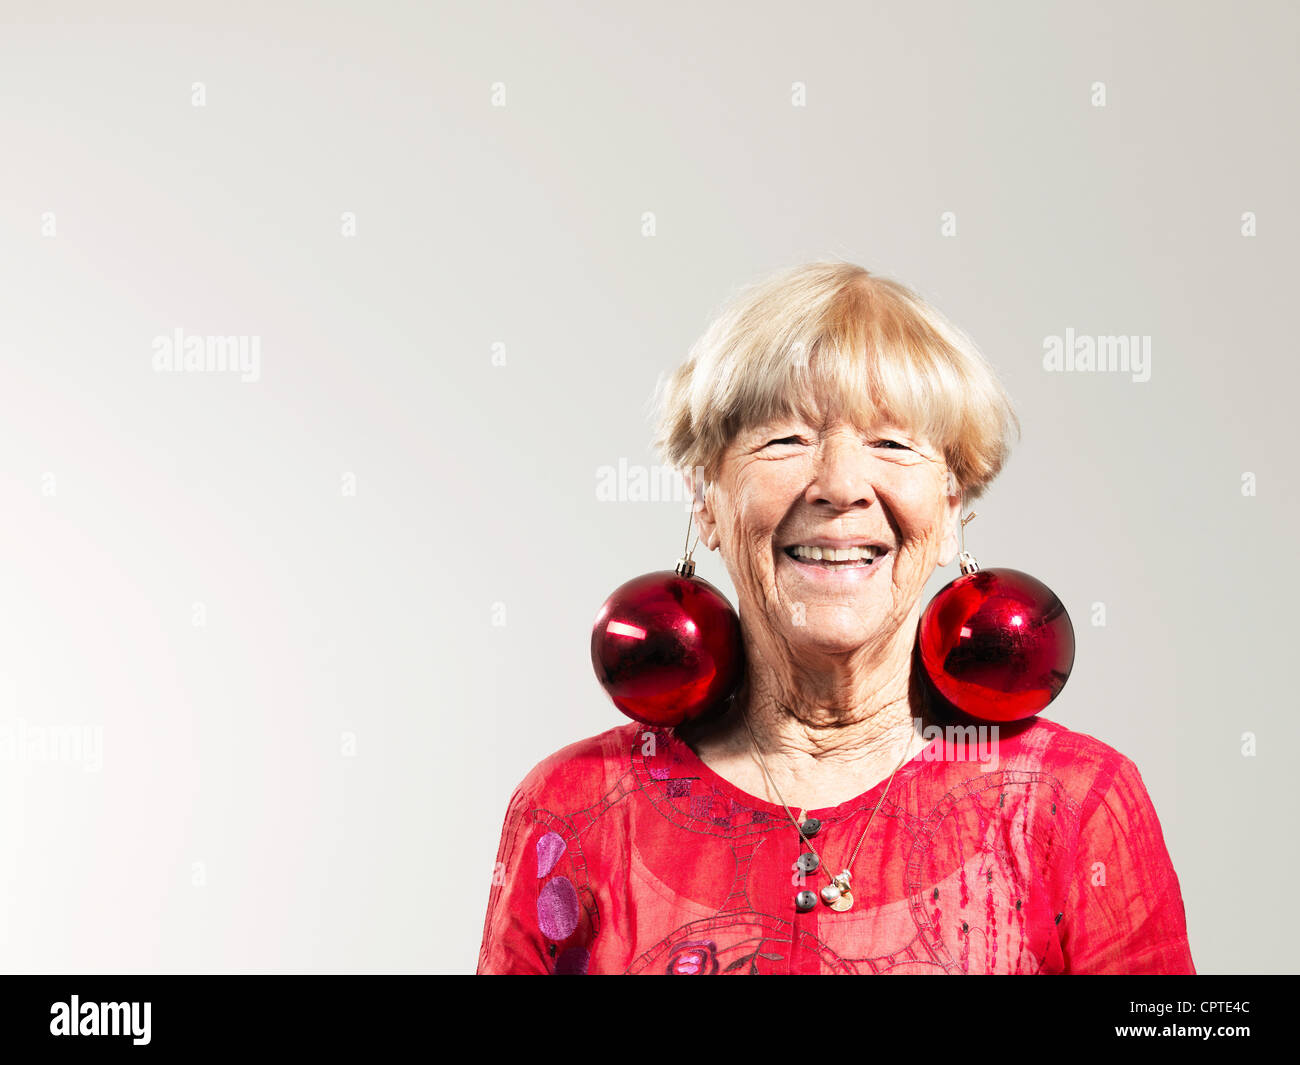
x=705, y=521
x=952, y=518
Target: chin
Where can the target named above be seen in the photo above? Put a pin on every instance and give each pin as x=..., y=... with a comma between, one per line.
x=828, y=640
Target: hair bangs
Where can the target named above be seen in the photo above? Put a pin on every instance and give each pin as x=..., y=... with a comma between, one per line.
x=829, y=340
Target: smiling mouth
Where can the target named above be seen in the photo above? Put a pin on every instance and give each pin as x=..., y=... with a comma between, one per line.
x=829, y=558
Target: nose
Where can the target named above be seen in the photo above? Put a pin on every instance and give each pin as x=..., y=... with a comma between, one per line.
x=841, y=477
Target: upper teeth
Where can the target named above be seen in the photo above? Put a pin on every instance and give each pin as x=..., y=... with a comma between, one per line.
x=834, y=554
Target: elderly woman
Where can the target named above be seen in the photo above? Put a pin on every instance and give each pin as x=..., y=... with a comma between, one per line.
x=828, y=408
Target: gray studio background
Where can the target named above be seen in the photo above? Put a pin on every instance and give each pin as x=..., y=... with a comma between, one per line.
x=323, y=620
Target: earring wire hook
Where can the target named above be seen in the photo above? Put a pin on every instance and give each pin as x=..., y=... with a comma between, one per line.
x=686, y=564
x=965, y=559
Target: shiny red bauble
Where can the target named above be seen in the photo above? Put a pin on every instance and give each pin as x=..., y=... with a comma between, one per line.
x=997, y=644
x=667, y=648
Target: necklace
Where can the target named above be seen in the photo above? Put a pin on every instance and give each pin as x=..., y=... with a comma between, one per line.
x=838, y=894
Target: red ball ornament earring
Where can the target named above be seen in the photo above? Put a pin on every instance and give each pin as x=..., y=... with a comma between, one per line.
x=666, y=646
x=996, y=643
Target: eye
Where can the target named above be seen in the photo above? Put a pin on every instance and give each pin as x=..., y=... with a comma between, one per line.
x=785, y=440
x=891, y=443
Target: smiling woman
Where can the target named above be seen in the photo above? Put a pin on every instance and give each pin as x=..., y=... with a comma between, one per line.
x=829, y=425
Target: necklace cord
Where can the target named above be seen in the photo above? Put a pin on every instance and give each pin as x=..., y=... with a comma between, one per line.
x=807, y=843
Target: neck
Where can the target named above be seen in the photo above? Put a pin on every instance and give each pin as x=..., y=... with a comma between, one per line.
x=826, y=725
x=834, y=705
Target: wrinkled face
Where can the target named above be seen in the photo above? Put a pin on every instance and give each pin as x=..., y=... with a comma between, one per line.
x=789, y=491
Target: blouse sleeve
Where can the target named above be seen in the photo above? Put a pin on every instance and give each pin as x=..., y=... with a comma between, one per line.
x=508, y=945
x=536, y=921
x=1124, y=909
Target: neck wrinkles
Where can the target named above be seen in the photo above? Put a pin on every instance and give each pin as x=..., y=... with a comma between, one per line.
x=855, y=708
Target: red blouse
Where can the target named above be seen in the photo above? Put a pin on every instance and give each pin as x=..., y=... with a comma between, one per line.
x=625, y=853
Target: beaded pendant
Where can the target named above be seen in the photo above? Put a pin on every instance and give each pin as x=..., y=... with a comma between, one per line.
x=838, y=894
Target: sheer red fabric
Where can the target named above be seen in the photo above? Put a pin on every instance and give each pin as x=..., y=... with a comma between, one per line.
x=1039, y=852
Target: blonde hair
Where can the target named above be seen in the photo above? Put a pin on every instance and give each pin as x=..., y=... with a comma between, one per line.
x=864, y=345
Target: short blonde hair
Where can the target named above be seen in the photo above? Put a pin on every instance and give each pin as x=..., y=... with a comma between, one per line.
x=864, y=345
